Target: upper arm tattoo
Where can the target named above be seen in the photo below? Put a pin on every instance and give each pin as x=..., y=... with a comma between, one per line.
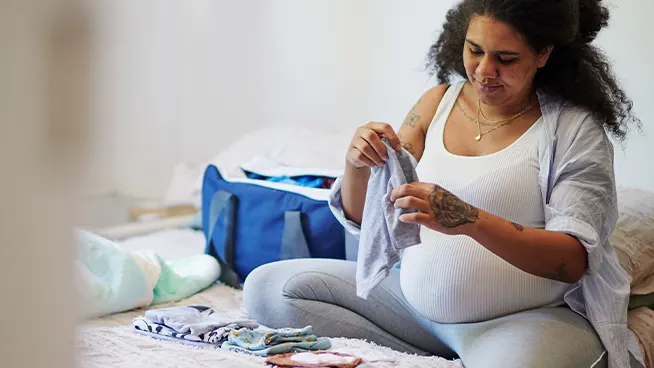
x=450, y=210
x=412, y=118
x=409, y=147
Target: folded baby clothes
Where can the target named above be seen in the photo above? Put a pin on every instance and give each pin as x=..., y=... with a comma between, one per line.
x=191, y=324
x=195, y=320
x=279, y=341
x=314, y=359
x=215, y=337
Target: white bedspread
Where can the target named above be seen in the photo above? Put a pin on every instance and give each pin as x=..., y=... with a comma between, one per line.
x=110, y=342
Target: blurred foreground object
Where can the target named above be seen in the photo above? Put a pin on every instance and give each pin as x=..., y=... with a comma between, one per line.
x=43, y=65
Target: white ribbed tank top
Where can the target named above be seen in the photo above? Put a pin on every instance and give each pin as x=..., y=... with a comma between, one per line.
x=454, y=279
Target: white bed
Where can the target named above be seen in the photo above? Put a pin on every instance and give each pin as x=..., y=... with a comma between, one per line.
x=110, y=342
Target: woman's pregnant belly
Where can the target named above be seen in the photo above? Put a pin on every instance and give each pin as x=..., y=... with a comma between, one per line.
x=454, y=279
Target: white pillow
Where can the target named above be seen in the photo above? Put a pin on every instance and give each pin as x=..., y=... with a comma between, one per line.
x=292, y=145
x=633, y=237
x=298, y=146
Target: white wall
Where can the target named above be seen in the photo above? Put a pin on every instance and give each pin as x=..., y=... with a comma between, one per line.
x=629, y=45
x=183, y=77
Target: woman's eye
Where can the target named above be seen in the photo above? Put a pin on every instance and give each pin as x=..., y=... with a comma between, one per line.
x=507, y=61
x=476, y=52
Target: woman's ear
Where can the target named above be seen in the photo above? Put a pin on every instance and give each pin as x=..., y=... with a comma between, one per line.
x=544, y=55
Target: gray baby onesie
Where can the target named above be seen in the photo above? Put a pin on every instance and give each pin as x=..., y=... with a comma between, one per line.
x=382, y=233
x=195, y=319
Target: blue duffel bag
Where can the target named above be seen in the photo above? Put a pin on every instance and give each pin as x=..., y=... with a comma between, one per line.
x=249, y=222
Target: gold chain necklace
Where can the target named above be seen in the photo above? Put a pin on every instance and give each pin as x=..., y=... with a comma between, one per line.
x=498, y=124
x=491, y=122
x=472, y=119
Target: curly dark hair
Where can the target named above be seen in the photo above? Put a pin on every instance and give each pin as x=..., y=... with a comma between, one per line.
x=576, y=71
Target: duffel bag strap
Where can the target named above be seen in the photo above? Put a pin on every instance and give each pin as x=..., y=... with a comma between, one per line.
x=224, y=201
x=294, y=243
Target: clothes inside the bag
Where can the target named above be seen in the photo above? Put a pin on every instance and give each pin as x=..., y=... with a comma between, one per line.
x=303, y=181
x=315, y=359
x=279, y=341
x=383, y=235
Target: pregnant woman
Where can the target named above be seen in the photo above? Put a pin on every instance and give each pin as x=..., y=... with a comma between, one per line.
x=516, y=203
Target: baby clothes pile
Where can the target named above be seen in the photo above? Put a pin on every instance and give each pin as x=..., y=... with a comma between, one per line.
x=201, y=326
x=197, y=325
x=266, y=343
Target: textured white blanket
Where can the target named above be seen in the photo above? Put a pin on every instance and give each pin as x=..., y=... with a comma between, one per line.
x=110, y=342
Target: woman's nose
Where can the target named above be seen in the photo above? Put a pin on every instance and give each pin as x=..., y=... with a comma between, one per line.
x=487, y=68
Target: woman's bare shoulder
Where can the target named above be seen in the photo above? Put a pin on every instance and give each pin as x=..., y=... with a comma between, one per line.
x=428, y=104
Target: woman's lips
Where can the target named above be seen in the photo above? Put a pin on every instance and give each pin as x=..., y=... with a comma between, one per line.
x=489, y=88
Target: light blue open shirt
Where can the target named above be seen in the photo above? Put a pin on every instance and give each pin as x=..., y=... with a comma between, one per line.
x=578, y=188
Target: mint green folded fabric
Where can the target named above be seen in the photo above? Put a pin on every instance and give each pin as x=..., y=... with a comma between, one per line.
x=279, y=341
x=113, y=280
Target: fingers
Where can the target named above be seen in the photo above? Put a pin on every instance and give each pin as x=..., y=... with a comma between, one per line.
x=415, y=218
x=387, y=131
x=412, y=203
x=411, y=189
x=359, y=159
x=367, y=149
x=373, y=140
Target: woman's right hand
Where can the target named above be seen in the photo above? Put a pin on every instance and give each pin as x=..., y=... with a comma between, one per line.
x=366, y=148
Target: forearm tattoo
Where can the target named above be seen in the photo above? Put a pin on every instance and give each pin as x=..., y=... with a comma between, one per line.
x=450, y=210
x=560, y=274
x=518, y=226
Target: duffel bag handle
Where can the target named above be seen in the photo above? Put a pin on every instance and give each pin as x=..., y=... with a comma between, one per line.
x=223, y=201
x=294, y=243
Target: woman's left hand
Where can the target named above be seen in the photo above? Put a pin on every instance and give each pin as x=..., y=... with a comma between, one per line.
x=438, y=209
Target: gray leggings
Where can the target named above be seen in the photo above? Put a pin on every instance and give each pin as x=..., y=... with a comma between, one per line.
x=321, y=293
